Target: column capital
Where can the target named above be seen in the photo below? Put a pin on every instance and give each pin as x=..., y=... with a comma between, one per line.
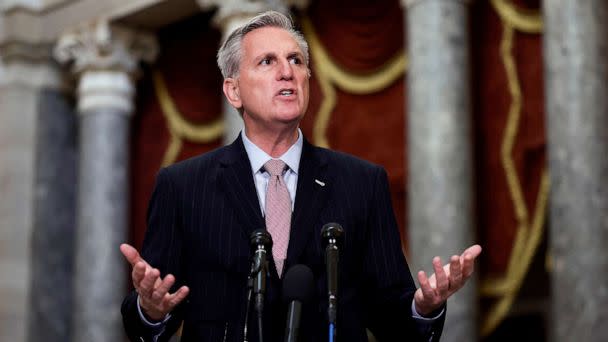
x=409, y=3
x=101, y=46
x=233, y=13
x=29, y=64
x=105, y=58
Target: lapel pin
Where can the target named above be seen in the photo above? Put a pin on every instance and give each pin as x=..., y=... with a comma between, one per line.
x=319, y=182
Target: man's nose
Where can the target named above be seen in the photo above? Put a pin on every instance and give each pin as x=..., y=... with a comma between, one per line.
x=285, y=70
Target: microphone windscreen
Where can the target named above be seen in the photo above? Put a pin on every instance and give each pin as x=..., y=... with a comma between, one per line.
x=260, y=237
x=332, y=231
x=298, y=284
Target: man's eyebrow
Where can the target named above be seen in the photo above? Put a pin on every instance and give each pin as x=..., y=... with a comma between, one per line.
x=295, y=54
x=264, y=55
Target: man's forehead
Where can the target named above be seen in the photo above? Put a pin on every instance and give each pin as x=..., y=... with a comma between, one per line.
x=266, y=39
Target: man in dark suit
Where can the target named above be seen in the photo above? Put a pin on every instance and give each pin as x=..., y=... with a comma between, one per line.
x=196, y=255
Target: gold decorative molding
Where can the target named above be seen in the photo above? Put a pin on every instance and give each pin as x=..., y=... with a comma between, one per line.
x=527, y=21
x=330, y=74
x=179, y=128
x=529, y=233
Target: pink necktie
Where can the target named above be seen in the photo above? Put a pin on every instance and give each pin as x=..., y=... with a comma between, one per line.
x=278, y=211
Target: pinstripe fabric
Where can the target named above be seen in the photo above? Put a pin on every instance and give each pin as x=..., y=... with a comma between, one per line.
x=200, y=217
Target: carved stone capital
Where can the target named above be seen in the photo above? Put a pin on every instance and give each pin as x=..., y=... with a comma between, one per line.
x=233, y=13
x=99, y=46
x=106, y=59
x=25, y=51
x=30, y=65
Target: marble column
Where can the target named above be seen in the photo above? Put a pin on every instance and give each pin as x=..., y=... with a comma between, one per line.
x=26, y=73
x=576, y=87
x=439, y=129
x=230, y=15
x=52, y=240
x=105, y=59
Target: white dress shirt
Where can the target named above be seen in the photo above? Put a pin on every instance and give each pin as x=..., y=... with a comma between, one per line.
x=257, y=158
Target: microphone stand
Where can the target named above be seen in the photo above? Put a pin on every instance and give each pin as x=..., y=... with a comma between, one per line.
x=249, y=294
x=332, y=234
x=259, y=288
x=331, y=253
x=260, y=241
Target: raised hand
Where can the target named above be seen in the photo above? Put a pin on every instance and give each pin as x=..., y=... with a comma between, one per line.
x=154, y=297
x=446, y=280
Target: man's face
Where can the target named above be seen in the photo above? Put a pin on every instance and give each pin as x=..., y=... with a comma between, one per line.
x=272, y=86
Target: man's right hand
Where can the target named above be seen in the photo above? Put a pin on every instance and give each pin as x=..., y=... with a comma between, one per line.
x=154, y=297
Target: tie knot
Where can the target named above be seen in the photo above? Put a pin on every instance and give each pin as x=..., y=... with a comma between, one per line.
x=275, y=167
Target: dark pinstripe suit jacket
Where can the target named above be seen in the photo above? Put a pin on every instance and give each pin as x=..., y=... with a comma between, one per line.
x=200, y=218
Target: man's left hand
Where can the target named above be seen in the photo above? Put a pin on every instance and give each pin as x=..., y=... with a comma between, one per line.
x=448, y=279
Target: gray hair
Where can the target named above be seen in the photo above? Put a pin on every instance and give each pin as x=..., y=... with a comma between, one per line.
x=229, y=55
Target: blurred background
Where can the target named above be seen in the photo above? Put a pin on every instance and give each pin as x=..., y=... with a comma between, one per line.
x=490, y=118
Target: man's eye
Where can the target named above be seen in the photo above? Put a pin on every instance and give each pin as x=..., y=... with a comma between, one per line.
x=265, y=61
x=295, y=60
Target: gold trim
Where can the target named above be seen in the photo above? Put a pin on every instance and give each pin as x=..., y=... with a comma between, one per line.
x=527, y=21
x=325, y=109
x=172, y=152
x=529, y=234
x=330, y=74
x=512, y=282
x=179, y=128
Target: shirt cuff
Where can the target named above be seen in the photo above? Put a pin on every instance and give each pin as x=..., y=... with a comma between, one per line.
x=148, y=323
x=422, y=319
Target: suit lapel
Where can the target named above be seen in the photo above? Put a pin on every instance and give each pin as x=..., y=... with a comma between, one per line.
x=236, y=178
x=311, y=195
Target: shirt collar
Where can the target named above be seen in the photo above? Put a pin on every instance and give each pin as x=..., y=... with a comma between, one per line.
x=257, y=157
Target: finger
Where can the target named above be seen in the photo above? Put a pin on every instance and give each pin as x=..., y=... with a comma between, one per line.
x=162, y=288
x=130, y=253
x=442, y=279
x=147, y=284
x=468, y=265
x=433, y=281
x=455, y=273
x=425, y=286
x=138, y=273
x=157, y=283
x=173, y=299
x=473, y=251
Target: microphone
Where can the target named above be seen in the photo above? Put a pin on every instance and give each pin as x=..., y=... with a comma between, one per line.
x=298, y=289
x=261, y=242
x=332, y=235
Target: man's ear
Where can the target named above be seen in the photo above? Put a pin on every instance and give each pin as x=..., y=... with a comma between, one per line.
x=231, y=90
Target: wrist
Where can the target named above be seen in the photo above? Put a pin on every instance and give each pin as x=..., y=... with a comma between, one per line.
x=153, y=316
x=428, y=312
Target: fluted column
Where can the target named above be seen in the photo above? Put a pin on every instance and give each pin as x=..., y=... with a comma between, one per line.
x=230, y=15
x=576, y=84
x=105, y=60
x=440, y=193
